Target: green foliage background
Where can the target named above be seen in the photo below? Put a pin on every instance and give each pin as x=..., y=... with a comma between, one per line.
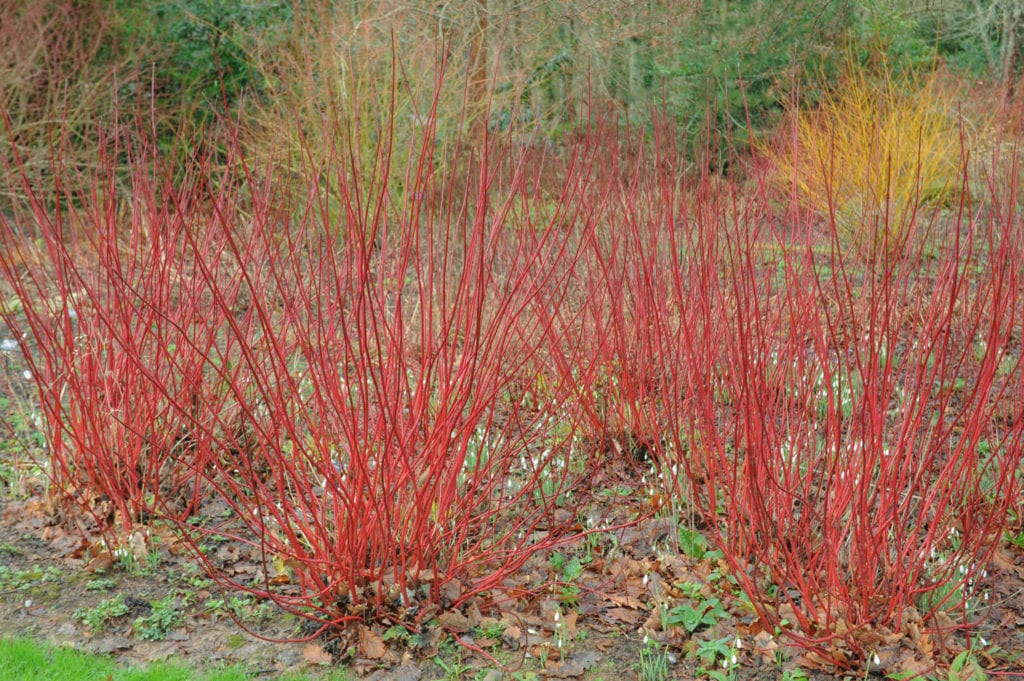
x=710, y=64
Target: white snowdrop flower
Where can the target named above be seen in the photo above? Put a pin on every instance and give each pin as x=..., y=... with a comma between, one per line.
x=28, y=602
x=27, y=374
x=982, y=641
x=876, y=659
x=739, y=643
x=733, y=659
x=646, y=579
x=531, y=631
x=725, y=664
x=558, y=615
x=646, y=639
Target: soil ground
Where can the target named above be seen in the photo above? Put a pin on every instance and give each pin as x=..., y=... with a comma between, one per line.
x=46, y=593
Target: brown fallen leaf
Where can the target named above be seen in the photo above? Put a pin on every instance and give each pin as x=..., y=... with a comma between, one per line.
x=765, y=645
x=314, y=654
x=103, y=561
x=626, y=600
x=564, y=670
x=1003, y=561
x=568, y=620
x=455, y=621
x=653, y=621
x=371, y=644
x=627, y=616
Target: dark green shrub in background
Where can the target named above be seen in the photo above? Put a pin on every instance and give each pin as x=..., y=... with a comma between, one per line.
x=205, y=57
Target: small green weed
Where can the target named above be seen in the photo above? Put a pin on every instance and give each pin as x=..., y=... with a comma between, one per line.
x=396, y=633
x=567, y=571
x=492, y=630
x=692, y=543
x=106, y=612
x=966, y=667
x=795, y=674
x=155, y=625
x=99, y=584
x=20, y=580
x=705, y=613
x=245, y=608
x=718, y=659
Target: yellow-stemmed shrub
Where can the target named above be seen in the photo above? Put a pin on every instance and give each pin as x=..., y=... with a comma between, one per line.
x=874, y=150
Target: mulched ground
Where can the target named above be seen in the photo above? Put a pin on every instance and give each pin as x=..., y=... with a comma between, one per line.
x=46, y=586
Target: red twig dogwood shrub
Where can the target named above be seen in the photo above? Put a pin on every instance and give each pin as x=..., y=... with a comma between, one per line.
x=117, y=336
x=394, y=453
x=359, y=390
x=855, y=457
x=622, y=362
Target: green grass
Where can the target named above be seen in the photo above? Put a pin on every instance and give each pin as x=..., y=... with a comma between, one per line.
x=25, y=659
